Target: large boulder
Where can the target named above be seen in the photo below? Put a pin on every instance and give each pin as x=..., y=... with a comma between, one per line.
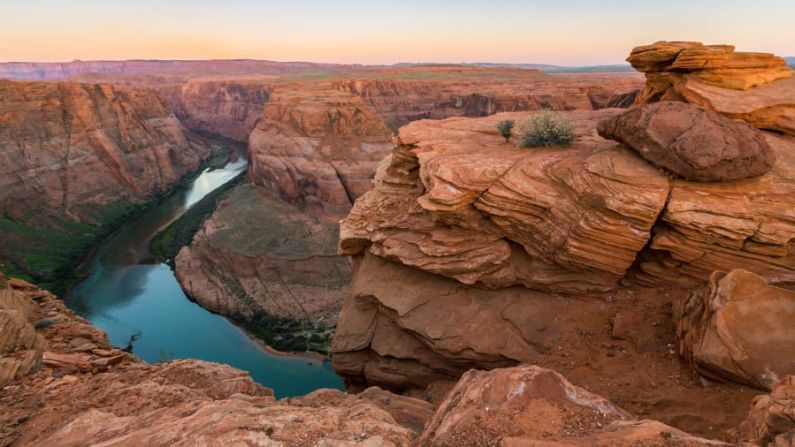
x=692, y=142
x=533, y=406
x=739, y=328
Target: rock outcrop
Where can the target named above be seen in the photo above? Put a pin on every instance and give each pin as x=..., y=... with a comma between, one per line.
x=74, y=157
x=470, y=253
x=93, y=394
x=266, y=257
x=771, y=421
x=739, y=328
x=756, y=87
x=455, y=199
x=745, y=224
x=530, y=406
x=692, y=142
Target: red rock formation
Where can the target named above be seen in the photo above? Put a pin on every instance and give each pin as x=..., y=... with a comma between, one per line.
x=316, y=147
x=738, y=328
x=455, y=199
x=74, y=158
x=756, y=87
x=723, y=226
x=692, y=142
x=461, y=210
x=771, y=421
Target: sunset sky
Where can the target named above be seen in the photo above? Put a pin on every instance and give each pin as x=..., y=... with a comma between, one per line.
x=563, y=32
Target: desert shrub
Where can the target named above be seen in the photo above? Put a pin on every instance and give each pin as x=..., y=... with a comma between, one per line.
x=506, y=128
x=44, y=323
x=545, y=129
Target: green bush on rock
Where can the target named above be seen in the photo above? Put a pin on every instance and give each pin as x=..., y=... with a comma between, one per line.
x=546, y=129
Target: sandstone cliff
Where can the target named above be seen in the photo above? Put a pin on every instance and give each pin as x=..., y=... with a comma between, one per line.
x=74, y=158
x=457, y=211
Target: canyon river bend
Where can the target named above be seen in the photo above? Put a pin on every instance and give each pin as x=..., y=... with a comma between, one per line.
x=129, y=296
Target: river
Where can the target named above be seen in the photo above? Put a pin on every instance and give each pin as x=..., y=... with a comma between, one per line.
x=128, y=296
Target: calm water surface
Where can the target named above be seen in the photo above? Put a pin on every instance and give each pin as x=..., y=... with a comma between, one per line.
x=129, y=297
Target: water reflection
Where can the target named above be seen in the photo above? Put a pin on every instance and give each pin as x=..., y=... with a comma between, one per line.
x=125, y=296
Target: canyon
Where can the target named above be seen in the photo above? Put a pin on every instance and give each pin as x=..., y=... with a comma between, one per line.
x=633, y=288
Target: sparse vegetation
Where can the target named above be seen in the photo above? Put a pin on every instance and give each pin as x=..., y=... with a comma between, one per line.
x=546, y=129
x=44, y=323
x=506, y=128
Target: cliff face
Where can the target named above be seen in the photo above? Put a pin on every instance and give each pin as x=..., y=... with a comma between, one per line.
x=229, y=108
x=74, y=157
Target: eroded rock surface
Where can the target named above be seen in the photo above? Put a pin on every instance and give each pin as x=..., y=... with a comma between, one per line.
x=745, y=224
x=771, y=421
x=739, y=328
x=755, y=87
x=455, y=199
x=267, y=254
x=692, y=142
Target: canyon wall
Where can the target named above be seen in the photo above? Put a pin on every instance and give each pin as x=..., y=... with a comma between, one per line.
x=75, y=158
x=226, y=107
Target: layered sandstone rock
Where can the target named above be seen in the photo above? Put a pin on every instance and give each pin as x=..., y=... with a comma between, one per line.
x=455, y=199
x=120, y=400
x=316, y=147
x=692, y=142
x=554, y=233
x=756, y=87
x=529, y=406
x=315, y=150
x=67, y=147
x=744, y=224
x=739, y=328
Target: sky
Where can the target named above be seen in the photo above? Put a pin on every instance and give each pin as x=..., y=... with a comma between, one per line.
x=560, y=32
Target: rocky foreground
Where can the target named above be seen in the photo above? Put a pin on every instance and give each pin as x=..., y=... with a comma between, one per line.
x=64, y=385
